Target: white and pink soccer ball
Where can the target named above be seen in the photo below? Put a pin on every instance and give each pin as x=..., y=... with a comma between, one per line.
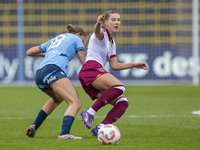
x=108, y=134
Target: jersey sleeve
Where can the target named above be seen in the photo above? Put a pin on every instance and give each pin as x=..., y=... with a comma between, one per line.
x=43, y=46
x=79, y=45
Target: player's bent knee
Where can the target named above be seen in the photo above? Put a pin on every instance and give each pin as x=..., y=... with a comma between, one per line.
x=57, y=100
x=120, y=87
x=75, y=103
x=122, y=99
x=78, y=104
x=126, y=104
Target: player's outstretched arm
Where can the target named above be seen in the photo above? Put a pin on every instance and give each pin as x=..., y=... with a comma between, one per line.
x=35, y=52
x=97, y=28
x=121, y=66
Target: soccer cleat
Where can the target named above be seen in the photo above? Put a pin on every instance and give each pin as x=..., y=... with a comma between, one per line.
x=68, y=136
x=30, y=131
x=87, y=119
x=95, y=130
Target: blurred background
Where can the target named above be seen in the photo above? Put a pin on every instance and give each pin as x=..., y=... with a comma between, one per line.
x=163, y=33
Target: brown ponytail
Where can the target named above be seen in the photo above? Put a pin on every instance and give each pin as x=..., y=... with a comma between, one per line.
x=75, y=29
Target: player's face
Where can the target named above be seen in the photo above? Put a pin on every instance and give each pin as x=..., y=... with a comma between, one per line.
x=113, y=23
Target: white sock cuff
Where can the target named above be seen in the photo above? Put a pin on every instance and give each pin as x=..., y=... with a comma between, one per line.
x=121, y=99
x=121, y=87
x=91, y=111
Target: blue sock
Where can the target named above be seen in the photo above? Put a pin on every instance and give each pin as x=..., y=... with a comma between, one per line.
x=39, y=119
x=66, y=125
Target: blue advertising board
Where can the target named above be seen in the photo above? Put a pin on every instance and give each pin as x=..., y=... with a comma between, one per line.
x=170, y=64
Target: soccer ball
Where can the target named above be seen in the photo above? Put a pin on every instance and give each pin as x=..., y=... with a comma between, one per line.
x=109, y=134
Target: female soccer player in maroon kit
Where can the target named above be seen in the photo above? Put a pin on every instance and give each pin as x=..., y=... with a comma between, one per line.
x=95, y=80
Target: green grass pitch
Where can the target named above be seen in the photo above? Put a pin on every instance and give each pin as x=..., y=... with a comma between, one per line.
x=158, y=118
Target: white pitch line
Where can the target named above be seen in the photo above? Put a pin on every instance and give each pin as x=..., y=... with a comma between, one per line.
x=196, y=112
x=9, y=118
x=130, y=116
x=154, y=116
x=162, y=116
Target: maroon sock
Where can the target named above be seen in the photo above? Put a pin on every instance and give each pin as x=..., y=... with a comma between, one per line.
x=116, y=112
x=107, y=96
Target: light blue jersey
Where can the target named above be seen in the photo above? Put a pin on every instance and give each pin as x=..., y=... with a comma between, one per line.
x=60, y=50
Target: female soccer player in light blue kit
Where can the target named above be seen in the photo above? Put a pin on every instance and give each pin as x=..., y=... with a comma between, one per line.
x=52, y=77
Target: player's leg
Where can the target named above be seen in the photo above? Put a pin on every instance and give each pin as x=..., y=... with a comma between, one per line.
x=120, y=106
x=105, y=81
x=52, y=103
x=49, y=107
x=66, y=90
x=111, y=88
x=117, y=111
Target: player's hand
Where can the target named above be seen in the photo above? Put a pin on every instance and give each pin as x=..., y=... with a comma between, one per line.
x=141, y=65
x=100, y=19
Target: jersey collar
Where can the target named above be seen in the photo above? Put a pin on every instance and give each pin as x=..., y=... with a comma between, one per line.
x=109, y=36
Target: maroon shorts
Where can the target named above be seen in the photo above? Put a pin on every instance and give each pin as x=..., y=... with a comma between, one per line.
x=89, y=72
